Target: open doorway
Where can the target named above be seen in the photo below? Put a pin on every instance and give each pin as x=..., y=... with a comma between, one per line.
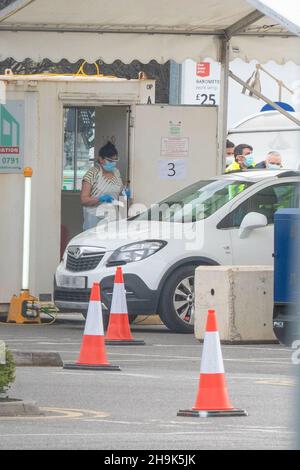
x=86, y=129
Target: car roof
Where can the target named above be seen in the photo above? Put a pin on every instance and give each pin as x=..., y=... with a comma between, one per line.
x=255, y=175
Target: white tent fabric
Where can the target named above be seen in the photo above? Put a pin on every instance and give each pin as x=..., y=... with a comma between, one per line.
x=138, y=29
x=281, y=50
x=108, y=47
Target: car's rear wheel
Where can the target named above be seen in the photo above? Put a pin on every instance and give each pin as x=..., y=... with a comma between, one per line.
x=177, y=300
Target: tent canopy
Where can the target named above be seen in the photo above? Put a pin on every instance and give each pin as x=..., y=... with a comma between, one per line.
x=284, y=12
x=142, y=30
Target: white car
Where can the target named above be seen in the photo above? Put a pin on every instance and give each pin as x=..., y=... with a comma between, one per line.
x=227, y=220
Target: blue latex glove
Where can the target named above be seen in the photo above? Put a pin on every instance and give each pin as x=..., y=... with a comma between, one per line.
x=126, y=192
x=106, y=198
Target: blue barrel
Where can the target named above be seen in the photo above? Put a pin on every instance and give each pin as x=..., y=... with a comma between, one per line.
x=286, y=316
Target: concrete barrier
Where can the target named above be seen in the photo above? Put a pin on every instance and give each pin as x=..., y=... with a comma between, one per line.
x=37, y=358
x=243, y=299
x=11, y=407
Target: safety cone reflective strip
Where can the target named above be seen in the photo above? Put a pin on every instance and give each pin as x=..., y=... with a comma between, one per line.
x=118, y=331
x=92, y=353
x=212, y=398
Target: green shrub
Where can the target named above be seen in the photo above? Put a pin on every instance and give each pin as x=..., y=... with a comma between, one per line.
x=7, y=372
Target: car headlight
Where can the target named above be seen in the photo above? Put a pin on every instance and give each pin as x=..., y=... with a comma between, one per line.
x=135, y=252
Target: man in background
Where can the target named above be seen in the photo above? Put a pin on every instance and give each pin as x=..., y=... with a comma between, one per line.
x=229, y=152
x=273, y=161
x=243, y=159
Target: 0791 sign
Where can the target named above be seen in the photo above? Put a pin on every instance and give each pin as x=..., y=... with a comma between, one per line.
x=10, y=160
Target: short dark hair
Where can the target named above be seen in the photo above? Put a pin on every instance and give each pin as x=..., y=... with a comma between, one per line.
x=108, y=150
x=239, y=149
x=229, y=144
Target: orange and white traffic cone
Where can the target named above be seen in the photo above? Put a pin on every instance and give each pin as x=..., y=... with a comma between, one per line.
x=92, y=353
x=118, y=330
x=212, y=398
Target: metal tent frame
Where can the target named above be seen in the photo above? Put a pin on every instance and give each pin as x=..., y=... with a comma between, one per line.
x=217, y=30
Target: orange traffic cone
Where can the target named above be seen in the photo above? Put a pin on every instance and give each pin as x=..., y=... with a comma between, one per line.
x=212, y=398
x=118, y=330
x=92, y=352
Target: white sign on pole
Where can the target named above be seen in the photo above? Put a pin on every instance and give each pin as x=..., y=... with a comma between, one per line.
x=11, y=137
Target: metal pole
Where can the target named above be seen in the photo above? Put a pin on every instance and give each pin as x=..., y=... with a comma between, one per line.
x=297, y=388
x=279, y=82
x=223, y=105
x=297, y=365
x=75, y=149
x=26, y=231
x=175, y=83
x=262, y=130
x=264, y=98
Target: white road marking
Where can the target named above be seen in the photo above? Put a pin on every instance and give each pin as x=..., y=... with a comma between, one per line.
x=141, y=423
x=179, y=422
x=227, y=346
x=80, y=373
x=145, y=433
x=266, y=361
x=27, y=340
x=280, y=382
x=280, y=349
x=55, y=342
x=255, y=377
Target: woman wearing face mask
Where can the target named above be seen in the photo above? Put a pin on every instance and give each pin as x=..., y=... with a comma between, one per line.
x=101, y=185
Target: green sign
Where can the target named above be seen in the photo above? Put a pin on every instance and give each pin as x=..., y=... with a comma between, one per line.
x=12, y=137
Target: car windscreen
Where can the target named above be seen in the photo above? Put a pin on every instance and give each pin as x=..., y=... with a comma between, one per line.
x=196, y=202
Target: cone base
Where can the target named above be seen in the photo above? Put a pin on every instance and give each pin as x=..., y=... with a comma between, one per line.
x=211, y=413
x=212, y=393
x=73, y=365
x=125, y=342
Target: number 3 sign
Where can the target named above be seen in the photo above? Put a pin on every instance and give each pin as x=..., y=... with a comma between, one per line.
x=172, y=169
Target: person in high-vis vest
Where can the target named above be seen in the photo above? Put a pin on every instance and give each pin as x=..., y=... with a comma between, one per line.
x=243, y=159
x=229, y=156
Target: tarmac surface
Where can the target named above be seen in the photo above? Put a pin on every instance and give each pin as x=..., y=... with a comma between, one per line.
x=136, y=408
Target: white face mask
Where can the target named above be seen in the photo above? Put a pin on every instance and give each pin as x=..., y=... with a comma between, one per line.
x=229, y=160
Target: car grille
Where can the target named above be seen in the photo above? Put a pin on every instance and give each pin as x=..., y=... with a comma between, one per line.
x=84, y=263
x=72, y=296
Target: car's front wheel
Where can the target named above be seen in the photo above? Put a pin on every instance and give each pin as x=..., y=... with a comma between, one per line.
x=177, y=301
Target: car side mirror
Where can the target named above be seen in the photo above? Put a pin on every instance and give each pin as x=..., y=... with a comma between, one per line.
x=250, y=222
